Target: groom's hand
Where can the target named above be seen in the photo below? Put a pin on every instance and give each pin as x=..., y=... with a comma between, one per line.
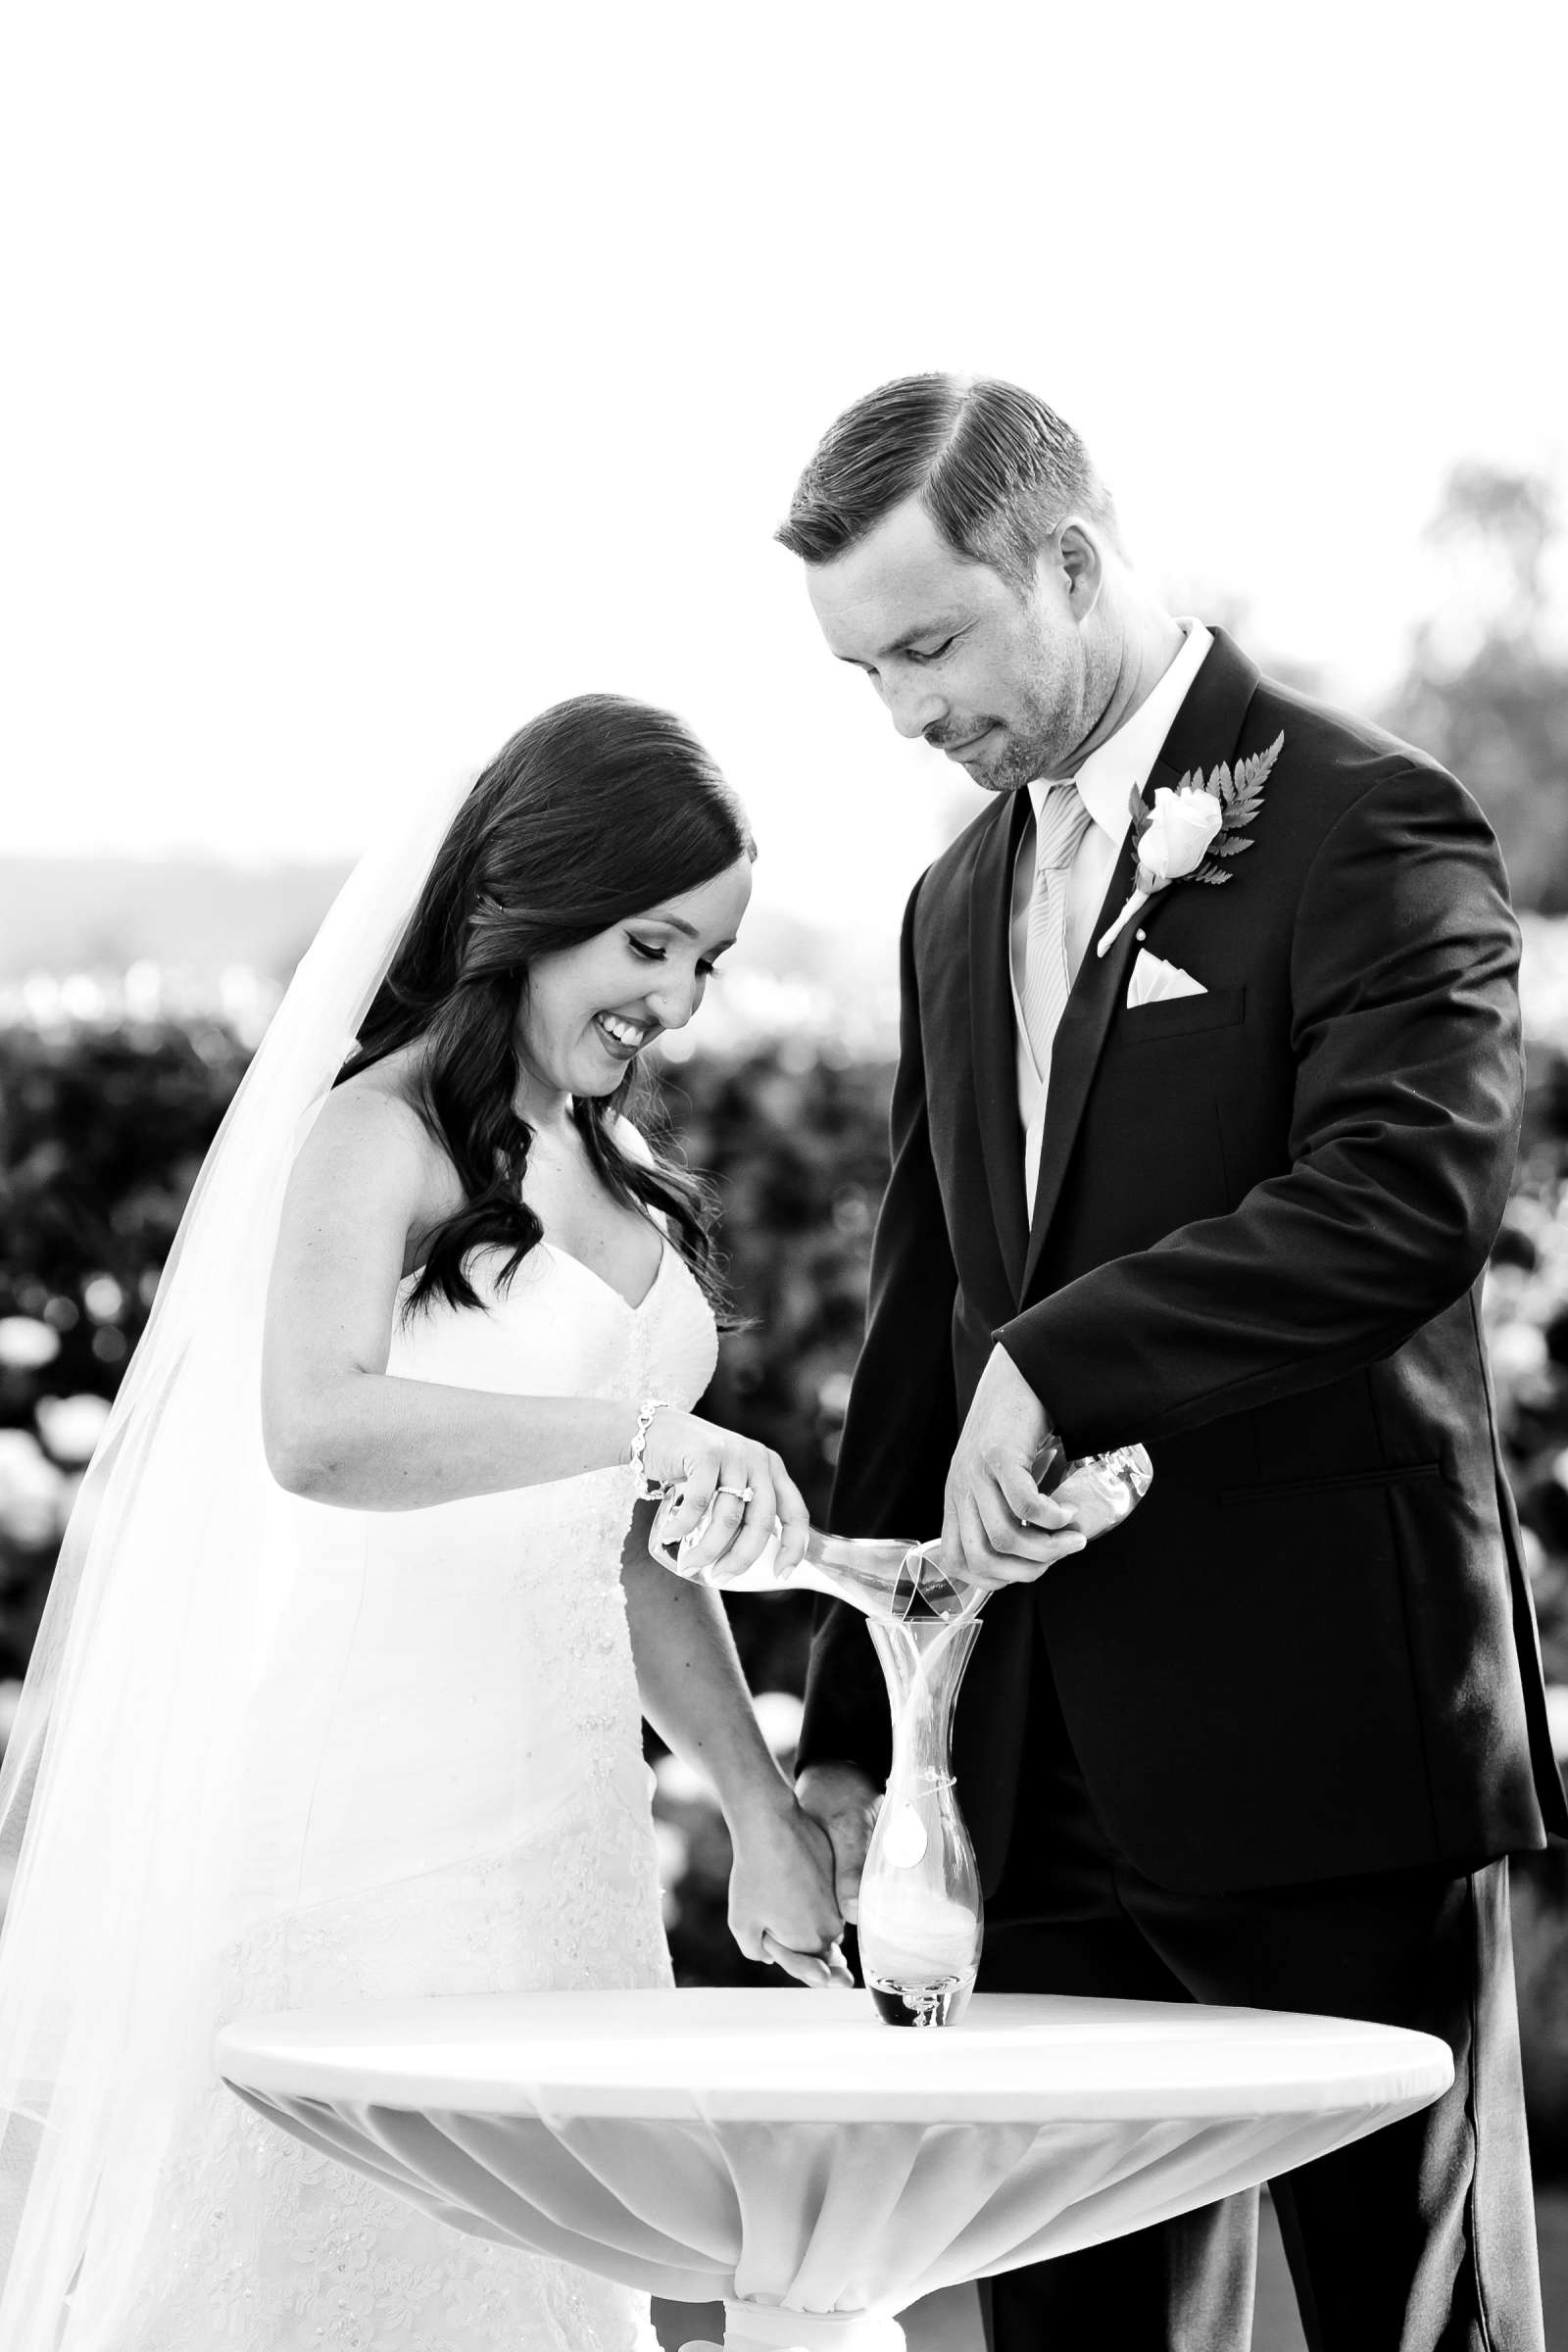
x=782, y=1907
x=997, y=1527
x=842, y=1798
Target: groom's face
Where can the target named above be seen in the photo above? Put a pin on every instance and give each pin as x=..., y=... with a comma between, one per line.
x=998, y=681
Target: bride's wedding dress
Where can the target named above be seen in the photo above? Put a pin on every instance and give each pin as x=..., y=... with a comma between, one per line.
x=446, y=1794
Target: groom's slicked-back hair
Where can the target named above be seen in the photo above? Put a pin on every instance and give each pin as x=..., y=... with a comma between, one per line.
x=997, y=470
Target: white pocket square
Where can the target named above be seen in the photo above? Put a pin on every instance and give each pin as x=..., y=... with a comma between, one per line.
x=1153, y=980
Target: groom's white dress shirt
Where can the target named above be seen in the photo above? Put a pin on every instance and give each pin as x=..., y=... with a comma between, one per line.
x=1106, y=783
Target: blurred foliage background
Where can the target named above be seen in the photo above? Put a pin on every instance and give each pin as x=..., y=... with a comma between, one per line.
x=110, y=1094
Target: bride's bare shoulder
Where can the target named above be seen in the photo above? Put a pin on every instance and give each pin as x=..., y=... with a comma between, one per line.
x=371, y=1133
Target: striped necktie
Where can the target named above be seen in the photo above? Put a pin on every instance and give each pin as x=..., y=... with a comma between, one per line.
x=1047, y=978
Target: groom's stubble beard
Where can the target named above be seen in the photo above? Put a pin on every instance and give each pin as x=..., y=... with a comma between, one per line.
x=1058, y=709
x=1019, y=757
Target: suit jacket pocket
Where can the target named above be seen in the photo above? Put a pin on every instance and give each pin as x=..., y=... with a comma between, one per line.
x=1175, y=1016
x=1387, y=1474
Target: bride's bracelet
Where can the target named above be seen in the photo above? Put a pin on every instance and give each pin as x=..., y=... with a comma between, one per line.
x=651, y=1488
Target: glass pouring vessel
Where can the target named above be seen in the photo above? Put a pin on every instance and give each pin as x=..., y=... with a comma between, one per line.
x=921, y=1915
x=888, y=1579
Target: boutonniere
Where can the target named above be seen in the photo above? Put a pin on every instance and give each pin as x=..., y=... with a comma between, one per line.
x=1188, y=832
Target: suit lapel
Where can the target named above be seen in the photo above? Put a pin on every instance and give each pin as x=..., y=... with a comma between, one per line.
x=995, y=1065
x=1203, y=732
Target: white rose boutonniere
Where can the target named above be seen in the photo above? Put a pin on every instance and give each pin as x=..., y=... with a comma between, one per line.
x=1187, y=830
x=1182, y=824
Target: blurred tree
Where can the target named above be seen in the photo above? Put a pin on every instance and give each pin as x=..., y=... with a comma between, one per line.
x=1486, y=690
x=102, y=1130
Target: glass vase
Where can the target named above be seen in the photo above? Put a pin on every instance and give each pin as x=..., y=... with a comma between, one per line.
x=921, y=1916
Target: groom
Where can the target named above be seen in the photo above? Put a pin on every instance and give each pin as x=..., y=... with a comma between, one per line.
x=1224, y=1182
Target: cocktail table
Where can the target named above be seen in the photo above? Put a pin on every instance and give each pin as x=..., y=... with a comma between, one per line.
x=786, y=2152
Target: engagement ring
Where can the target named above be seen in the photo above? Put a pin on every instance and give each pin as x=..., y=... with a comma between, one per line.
x=741, y=1494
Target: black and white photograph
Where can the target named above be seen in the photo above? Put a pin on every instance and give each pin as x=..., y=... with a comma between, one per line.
x=784, y=1180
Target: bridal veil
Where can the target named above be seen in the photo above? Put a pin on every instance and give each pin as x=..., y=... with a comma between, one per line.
x=121, y=1780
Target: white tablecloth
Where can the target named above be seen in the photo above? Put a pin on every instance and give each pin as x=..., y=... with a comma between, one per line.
x=785, y=2151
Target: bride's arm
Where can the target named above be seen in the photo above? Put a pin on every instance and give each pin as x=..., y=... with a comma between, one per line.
x=337, y=1427
x=694, y=1694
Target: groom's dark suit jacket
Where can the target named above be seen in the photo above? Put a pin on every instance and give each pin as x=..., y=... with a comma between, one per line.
x=1261, y=1220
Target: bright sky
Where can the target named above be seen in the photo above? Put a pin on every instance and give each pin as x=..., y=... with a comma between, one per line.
x=379, y=374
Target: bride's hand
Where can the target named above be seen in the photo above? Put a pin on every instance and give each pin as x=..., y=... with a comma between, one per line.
x=745, y=1484
x=781, y=1906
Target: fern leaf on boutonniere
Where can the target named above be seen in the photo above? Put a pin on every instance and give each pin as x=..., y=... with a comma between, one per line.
x=1190, y=832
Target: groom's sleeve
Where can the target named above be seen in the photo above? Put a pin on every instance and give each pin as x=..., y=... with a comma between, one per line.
x=1405, y=1117
x=902, y=1423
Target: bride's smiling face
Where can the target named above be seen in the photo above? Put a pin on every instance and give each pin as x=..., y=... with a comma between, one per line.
x=587, y=1010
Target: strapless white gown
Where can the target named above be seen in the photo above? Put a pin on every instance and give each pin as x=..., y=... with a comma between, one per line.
x=447, y=1796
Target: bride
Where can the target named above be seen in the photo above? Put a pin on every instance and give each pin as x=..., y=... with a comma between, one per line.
x=339, y=1694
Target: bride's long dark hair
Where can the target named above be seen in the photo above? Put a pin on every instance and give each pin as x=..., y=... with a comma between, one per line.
x=597, y=810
